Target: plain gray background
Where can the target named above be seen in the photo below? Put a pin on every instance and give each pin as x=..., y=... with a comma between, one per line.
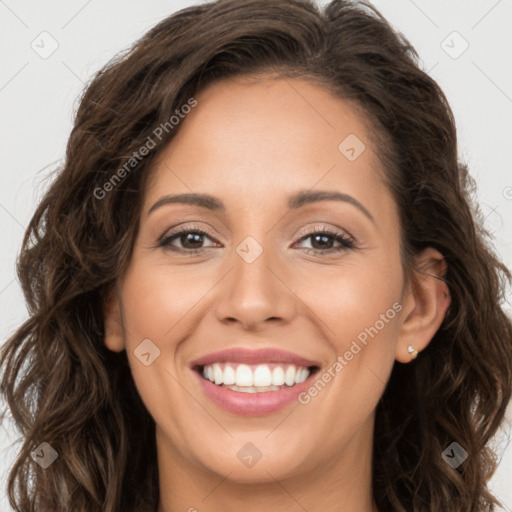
x=38, y=94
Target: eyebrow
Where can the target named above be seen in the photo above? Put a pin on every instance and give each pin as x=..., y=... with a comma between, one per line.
x=297, y=200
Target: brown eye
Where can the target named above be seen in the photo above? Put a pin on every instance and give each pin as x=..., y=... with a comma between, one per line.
x=191, y=240
x=323, y=239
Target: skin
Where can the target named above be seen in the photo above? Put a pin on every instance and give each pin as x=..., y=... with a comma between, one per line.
x=252, y=145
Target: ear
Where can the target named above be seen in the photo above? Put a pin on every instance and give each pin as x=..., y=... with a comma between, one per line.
x=425, y=301
x=114, y=339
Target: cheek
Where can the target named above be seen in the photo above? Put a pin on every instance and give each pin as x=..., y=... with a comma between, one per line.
x=357, y=307
x=159, y=301
x=365, y=312
x=353, y=300
x=158, y=305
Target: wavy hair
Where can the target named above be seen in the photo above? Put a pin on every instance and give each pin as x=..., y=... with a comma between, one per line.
x=64, y=387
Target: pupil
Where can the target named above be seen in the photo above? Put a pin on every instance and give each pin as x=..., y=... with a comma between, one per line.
x=189, y=238
x=324, y=238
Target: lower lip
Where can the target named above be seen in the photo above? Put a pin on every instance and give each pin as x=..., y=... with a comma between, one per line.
x=252, y=404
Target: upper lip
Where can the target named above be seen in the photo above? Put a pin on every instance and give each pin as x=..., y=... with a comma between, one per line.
x=260, y=356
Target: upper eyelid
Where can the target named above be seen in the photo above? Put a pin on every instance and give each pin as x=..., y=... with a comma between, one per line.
x=324, y=228
x=303, y=233
x=317, y=227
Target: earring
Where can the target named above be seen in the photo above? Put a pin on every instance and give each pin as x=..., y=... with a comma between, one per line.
x=412, y=351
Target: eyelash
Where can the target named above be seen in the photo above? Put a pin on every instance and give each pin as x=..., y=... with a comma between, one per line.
x=346, y=242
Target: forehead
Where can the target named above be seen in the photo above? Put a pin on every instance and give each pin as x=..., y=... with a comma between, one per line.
x=260, y=140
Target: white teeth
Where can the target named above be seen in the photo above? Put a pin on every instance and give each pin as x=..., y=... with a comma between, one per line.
x=229, y=375
x=289, y=376
x=278, y=376
x=254, y=379
x=218, y=374
x=243, y=375
x=262, y=376
x=252, y=389
x=301, y=375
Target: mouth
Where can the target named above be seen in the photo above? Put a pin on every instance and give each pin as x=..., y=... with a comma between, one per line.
x=247, y=382
x=261, y=378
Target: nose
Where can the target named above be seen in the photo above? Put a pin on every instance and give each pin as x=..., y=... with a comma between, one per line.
x=256, y=293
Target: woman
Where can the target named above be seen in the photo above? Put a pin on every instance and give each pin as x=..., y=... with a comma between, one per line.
x=364, y=371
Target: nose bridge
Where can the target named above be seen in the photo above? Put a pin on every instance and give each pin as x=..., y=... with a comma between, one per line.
x=254, y=291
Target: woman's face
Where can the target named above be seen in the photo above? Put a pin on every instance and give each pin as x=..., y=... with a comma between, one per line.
x=266, y=283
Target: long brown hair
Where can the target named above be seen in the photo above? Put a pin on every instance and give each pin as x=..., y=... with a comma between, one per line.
x=65, y=388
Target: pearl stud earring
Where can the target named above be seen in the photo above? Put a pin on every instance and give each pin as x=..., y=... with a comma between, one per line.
x=412, y=351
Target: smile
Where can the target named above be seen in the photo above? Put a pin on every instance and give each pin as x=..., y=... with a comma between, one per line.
x=255, y=378
x=253, y=383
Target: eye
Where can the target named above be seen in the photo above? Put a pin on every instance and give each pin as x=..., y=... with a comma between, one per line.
x=324, y=238
x=189, y=238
